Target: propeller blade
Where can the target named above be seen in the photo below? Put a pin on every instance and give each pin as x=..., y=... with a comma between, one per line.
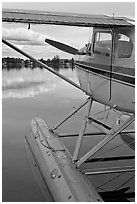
x=62, y=46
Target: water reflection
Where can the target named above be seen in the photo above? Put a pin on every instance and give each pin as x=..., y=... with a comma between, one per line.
x=25, y=83
x=29, y=93
x=39, y=93
x=28, y=82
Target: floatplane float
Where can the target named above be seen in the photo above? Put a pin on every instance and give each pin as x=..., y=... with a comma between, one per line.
x=106, y=72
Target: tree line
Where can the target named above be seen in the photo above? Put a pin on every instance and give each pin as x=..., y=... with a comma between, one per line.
x=17, y=63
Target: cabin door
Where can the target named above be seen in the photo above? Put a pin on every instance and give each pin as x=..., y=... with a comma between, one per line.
x=103, y=60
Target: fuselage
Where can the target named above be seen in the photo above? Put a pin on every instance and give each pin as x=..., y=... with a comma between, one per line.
x=107, y=69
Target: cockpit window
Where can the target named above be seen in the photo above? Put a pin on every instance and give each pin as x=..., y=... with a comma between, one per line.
x=102, y=43
x=125, y=46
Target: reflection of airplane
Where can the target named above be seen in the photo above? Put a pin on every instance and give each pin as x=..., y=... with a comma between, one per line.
x=106, y=73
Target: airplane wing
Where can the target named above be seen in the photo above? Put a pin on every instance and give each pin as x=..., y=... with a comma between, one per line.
x=68, y=19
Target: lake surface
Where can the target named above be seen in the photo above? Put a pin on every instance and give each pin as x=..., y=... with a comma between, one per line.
x=29, y=93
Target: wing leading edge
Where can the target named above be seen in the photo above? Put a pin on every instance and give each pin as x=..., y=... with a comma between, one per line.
x=68, y=19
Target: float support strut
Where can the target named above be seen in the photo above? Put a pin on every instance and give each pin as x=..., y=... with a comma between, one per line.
x=71, y=114
x=112, y=134
x=81, y=134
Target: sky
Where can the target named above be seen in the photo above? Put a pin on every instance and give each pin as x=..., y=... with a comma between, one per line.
x=32, y=41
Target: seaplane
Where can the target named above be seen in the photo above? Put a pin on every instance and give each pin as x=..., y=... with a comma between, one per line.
x=105, y=68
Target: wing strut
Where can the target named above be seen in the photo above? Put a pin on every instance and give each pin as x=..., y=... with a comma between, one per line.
x=44, y=66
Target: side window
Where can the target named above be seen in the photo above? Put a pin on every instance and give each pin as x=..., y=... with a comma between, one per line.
x=125, y=46
x=102, y=43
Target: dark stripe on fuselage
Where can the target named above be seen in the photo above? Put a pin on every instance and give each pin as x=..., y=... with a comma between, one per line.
x=104, y=71
x=121, y=70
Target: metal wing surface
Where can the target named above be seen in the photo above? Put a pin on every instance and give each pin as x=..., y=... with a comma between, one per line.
x=68, y=19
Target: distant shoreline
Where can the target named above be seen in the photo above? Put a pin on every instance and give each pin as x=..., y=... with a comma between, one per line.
x=9, y=63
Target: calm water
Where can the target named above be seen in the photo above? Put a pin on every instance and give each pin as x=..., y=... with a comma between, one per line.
x=28, y=93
